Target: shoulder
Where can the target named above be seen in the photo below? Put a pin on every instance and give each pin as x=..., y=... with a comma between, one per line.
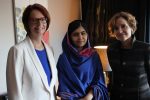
x=95, y=56
x=61, y=56
x=114, y=45
x=16, y=52
x=62, y=61
x=18, y=47
x=141, y=45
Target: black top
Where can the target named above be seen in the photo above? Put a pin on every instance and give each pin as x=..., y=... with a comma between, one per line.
x=130, y=71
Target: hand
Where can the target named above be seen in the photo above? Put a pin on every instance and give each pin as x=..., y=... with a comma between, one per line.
x=89, y=96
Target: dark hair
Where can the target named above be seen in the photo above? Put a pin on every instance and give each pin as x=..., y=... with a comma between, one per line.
x=27, y=12
x=76, y=24
x=73, y=26
x=127, y=16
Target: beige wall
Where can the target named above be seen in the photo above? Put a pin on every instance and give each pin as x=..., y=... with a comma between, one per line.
x=62, y=12
x=6, y=39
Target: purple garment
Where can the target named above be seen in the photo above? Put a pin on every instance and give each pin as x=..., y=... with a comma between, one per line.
x=80, y=72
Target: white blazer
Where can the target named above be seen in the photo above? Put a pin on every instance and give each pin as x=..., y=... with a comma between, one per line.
x=26, y=78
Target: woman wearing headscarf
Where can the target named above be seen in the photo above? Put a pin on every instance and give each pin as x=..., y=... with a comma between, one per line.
x=80, y=71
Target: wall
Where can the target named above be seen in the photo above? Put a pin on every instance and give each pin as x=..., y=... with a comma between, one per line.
x=6, y=38
x=62, y=12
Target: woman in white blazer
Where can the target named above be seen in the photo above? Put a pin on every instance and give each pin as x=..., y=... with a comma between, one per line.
x=31, y=70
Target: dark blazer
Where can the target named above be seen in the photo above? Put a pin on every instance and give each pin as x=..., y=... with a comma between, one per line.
x=130, y=76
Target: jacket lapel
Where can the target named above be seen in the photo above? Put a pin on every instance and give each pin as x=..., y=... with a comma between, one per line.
x=52, y=66
x=36, y=61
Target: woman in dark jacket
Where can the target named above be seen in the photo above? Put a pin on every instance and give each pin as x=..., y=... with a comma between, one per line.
x=129, y=60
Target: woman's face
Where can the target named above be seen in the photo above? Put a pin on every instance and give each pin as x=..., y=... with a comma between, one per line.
x=122, y=30
x=37, y=24
x=79, y=37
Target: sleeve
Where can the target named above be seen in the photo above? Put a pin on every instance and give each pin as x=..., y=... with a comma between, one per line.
x=99, y=88
x=60, y=75
x=14, y=74
x=61, y=79
x=66, y=84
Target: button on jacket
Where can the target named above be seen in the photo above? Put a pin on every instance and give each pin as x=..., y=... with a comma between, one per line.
x=130, y=71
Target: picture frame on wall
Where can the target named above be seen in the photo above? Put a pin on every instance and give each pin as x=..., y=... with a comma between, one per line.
x=19, y=7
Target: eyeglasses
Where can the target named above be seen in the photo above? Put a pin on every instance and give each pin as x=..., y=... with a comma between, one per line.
x=43, y=20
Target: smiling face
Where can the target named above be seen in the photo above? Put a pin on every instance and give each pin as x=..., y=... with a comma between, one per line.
x=37, y=24
x=79, y=37
x=122, y=30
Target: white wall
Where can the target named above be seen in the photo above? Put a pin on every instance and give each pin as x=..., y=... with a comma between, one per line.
x=6, y=38
x=62, y=12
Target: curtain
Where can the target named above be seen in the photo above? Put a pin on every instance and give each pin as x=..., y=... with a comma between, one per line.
x=147, y=21
x=94, y=15
x=143, y=29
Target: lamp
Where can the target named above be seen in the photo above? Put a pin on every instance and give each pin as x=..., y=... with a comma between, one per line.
x=102, y=51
